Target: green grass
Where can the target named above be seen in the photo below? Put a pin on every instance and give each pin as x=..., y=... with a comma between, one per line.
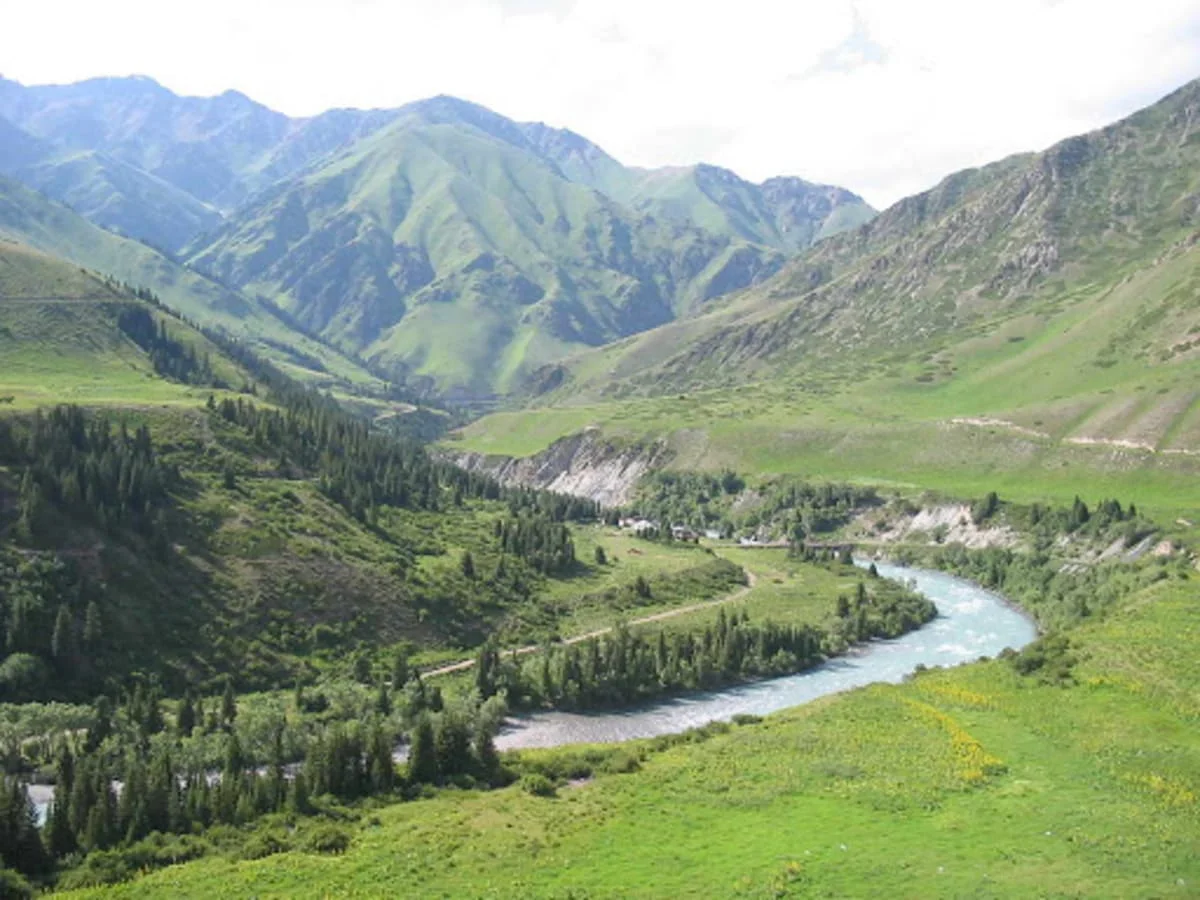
x=36, y=222
x=873, y=420
x=954, y=784
x=70, y=349
x=868, y=357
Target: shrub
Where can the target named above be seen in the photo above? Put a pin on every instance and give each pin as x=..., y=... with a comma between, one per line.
x=327, y=839
x=12, y=884
x=538, y=785
x=261, y=846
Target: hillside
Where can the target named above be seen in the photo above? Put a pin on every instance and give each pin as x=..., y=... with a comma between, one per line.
x=439, y=251
x=440, y=241
x=104, y=190
x=1033, y=315
x=218, y=150
x=67, y=335
x=459, y=246
x=1006, y=778
x=30, y=218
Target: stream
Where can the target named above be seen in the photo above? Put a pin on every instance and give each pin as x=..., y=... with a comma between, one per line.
x=972, y=623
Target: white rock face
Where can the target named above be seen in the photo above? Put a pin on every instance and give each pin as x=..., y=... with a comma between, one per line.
x=585, y=465
x=955, y=520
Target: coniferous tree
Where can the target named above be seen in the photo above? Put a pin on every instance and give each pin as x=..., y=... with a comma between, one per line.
x=228, y=704
x=93, y=629
x=185, y=715
x=298, y=797
x=60, y=643
x=383, y=699
x=400, y=669
x=422, y=755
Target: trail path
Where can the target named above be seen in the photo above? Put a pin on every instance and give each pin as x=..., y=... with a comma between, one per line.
x=42, y=301
x=751, y=580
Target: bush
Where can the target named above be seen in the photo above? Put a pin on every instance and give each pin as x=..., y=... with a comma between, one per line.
x=114, y=866
x=12, y=884
x=538, y=785
x=621, y=763
x=261, y=846
x=1049, y=658
x=327, y=839
x=22, y=675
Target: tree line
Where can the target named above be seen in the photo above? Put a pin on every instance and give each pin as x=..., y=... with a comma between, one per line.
x=625, y=666
x=170, y=358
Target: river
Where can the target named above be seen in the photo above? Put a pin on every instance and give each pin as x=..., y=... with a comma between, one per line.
x=971, y=623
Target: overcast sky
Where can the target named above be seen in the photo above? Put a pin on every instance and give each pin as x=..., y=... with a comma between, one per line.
x=882, y=96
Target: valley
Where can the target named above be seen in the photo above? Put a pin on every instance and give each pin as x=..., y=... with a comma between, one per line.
x=418, y=501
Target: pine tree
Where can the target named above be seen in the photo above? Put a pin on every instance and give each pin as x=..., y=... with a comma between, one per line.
x=101, y=726
x=401, y=670
x=383, y=699
x=93, y=629
x=485, y=752
x=298, y=799
x=60, y=835
x=228, y=704
x=486, y=663
x=452, y=742
x=422, y=755
x=60, y=643
x=185, y=716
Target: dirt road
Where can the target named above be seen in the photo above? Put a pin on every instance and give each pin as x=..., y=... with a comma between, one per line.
x=751, y=580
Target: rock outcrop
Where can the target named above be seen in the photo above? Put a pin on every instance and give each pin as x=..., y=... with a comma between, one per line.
x=585, y=465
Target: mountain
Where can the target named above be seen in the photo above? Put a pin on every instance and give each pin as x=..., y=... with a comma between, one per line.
x=1019, y=236
x=440, y=249
x=219, y=150
x=111, y=193
x=131, y=155
x=66, y=333
x=460, y=246
x=440, y=241
x=1038, y=315
x=31, y=219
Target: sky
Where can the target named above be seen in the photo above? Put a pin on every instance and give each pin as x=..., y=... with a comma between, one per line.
x=884, y=97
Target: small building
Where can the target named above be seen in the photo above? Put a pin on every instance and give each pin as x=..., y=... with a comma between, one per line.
x=638, y=525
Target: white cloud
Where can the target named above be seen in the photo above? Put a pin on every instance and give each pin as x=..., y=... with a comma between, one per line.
x=882, y=96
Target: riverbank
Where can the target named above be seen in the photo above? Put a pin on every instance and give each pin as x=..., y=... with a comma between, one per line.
x=972, y=623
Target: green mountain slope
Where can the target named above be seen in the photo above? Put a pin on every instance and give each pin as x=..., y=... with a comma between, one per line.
x=67, y=335
x=440, y=240
x=1033, y=323
x=442, y=250
x=158, y=166
x=30, y=218
x=983, y=245
x=111, y=193
x=219, y=150
x=789, y=214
